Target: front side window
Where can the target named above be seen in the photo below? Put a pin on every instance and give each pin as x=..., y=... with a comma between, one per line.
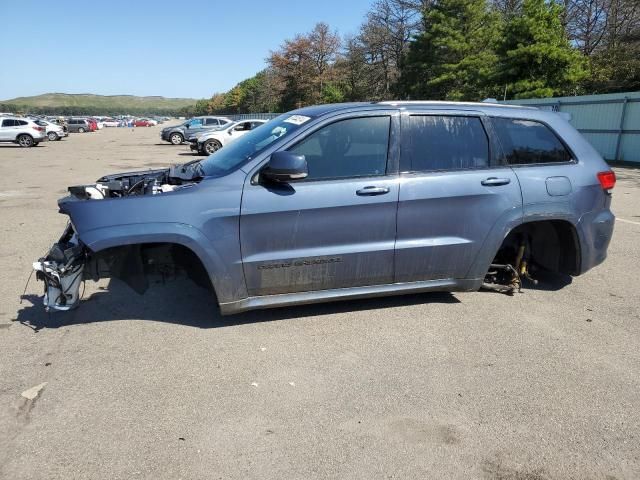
x=242, y=150
x=8, y=123
x=241, y=127
x=526, y=142
x=445, y=142
x=356, y=147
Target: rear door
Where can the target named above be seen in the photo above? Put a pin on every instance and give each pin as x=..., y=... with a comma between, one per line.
x=454, y=194
x=7, y=129
x=335, y=229
x=546, y=169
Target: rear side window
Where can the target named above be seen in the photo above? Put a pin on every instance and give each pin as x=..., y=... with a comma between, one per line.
x=356, y=147
x=439, y=142
x=21, y=122
x=211, y=121
x=526, y=142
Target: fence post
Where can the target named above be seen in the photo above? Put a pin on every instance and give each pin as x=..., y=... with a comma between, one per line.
x=622, y=119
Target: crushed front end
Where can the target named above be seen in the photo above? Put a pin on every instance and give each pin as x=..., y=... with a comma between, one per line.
x=62, y=271
x=69, y=261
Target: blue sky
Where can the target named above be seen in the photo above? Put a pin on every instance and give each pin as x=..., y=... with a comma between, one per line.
x=186, y=48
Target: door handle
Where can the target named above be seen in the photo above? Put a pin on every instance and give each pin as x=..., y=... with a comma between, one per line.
x=495, y=181
x=370, y=191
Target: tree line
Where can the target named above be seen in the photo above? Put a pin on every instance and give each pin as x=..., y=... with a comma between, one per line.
x=450, y=50
x=69, y=111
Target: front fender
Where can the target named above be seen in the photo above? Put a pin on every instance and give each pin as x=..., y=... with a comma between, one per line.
x=227, y=278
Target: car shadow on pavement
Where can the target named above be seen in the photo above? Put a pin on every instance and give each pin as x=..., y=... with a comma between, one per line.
x=547, y=281
x=182, y=302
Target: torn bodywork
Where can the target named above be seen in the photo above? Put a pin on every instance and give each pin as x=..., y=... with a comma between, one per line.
x=62, y=271
x=70, y=262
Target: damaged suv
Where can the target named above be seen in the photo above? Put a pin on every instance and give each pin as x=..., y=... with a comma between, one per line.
x=346, y=201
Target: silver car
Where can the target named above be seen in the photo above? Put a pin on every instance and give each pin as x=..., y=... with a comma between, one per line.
x=23, y=131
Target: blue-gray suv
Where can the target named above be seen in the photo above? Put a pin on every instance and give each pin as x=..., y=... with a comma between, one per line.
x=346, y=201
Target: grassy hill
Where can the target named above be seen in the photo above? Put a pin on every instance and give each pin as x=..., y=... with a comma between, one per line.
x=61, y=103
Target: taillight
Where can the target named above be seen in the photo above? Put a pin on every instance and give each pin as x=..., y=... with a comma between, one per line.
x=40, y=129
x=607, y=179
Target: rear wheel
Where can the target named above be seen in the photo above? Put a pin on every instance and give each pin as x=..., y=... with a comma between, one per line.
x=53, y=136
x=81, y=130
x=176, y=138
x=212, y=146
x=25, y=141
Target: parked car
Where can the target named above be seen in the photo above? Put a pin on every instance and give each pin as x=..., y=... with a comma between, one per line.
x=110, y=122
x=206, y=143
x=22, y=131
x=99, y=124
x=93, y=125
x=60, y=122
x=144, y=122
x=347, y=201
x=78, y=125
x=54, y=132
x=179, y=133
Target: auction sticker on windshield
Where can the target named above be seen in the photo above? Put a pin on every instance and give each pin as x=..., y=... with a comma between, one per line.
x=297, y=119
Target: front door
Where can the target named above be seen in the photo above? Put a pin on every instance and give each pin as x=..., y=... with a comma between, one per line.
x=453, y=193
x=336, y=228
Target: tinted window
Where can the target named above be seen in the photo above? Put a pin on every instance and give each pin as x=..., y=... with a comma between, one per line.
x=211, y=121
x=447, y=143
x=21, y=122
x=8, y=123
x=525, y=142
x=349, y=148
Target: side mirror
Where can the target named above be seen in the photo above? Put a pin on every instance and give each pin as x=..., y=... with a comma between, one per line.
x=286, y=167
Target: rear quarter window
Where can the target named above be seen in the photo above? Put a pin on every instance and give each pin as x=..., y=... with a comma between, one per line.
x=527, y=142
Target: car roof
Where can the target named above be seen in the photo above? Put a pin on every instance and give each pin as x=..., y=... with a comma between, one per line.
x=320, y=110
x=14, y=117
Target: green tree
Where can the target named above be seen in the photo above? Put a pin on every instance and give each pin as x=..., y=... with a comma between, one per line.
x=536, y=58
x=454, y=58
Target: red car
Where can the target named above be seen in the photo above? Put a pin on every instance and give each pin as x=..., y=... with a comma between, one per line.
x=93, y=125
x=142, y=122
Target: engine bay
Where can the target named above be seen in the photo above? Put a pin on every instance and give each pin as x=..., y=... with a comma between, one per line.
x=150, y=182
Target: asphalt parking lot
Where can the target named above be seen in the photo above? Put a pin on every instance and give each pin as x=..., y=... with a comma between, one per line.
x=541, y=385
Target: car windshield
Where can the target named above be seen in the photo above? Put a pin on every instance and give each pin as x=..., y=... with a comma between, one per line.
x=246, y=147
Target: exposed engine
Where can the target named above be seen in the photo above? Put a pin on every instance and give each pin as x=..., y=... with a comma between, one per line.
x=151, y=182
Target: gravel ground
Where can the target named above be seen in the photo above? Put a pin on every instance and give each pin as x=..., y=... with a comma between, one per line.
x=542, y=385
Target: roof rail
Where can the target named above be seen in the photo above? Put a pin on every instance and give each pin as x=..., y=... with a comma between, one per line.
x=449, y=103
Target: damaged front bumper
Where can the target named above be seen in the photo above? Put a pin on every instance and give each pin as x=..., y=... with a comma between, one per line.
x=62, y=271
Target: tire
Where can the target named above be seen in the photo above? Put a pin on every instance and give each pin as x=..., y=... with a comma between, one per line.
x=25, y=141
x=53, y=136
x=176, y=138
x=211, y=146
x=81, y=130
